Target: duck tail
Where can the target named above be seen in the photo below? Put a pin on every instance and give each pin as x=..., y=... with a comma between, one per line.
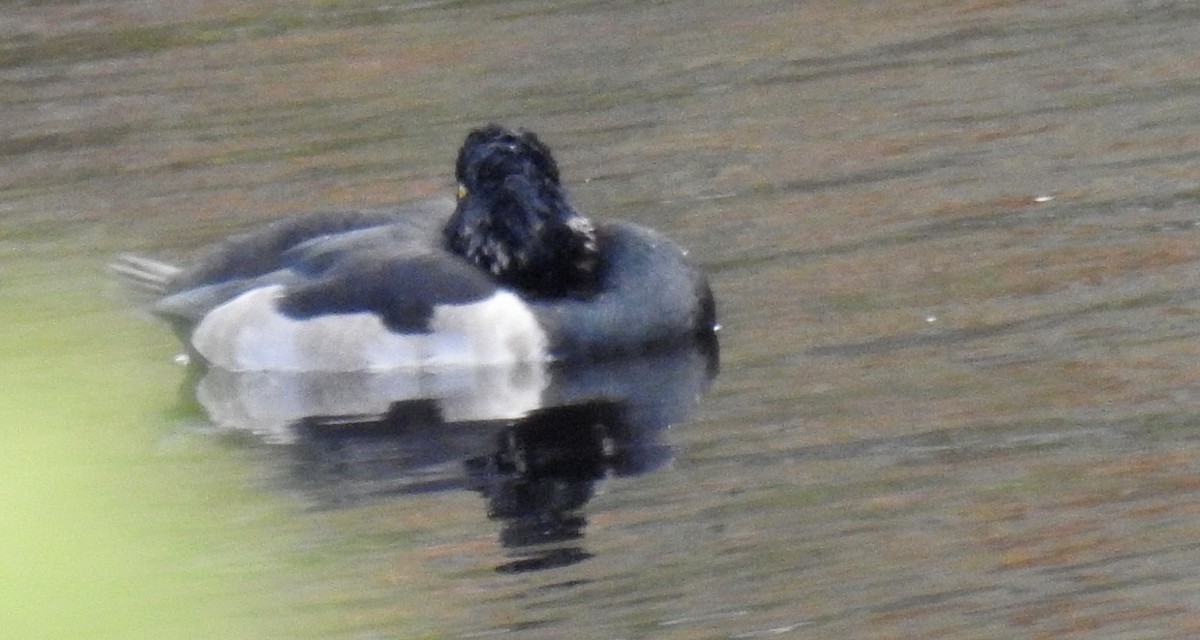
x=144, y=275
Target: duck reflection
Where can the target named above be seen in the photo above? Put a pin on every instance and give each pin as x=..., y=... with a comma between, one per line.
x=532, y=440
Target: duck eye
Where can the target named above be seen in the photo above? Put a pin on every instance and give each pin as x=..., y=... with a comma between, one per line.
x=462, y=192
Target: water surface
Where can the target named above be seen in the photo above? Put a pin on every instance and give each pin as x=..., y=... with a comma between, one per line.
x=954, y=246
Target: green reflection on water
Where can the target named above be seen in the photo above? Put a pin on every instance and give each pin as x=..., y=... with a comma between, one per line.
x=118, y=521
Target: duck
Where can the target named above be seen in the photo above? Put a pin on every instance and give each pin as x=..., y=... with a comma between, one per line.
x=506, y=272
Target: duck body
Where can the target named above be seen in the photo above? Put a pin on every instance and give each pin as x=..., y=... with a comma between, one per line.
x=508, y=273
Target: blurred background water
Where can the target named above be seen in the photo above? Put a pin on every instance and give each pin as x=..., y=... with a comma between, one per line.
x=954, y=245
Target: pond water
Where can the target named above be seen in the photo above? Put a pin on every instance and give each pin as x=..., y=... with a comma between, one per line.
x=955, y=251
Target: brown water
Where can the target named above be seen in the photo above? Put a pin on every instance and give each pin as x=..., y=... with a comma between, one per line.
x=954, y=245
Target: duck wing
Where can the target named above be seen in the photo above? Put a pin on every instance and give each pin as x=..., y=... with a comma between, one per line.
x=280, y=244
x=292, y=251
x=403, y=286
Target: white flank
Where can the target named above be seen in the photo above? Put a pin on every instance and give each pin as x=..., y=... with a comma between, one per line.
x=498, y=330
x=249, y=333
x=270, y=403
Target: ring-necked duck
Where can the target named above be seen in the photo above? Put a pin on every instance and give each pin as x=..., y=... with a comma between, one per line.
x=513, y=274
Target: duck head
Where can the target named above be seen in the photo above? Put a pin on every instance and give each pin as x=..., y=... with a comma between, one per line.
x=513, y=219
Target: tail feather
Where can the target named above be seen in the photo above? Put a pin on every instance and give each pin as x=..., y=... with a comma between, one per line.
x=144, y=275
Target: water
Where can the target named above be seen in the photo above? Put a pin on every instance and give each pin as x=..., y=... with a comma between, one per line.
x=953, y=246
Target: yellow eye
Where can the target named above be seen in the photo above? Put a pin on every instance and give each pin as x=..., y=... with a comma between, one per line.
x=462, y=192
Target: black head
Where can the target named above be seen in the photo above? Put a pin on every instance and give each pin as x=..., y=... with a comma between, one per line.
x=513, y=219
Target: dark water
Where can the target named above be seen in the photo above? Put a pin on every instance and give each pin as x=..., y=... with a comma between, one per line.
x=954, y=246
